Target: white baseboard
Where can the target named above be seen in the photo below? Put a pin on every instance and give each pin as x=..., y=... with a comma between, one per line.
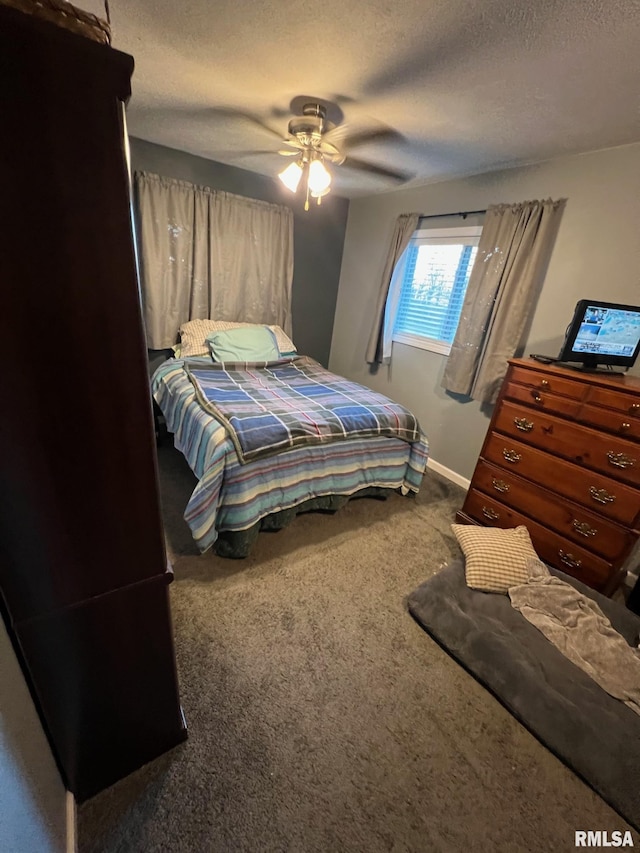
x=72, y=841
x=448, y=474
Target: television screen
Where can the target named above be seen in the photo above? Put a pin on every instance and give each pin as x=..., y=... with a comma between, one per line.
x=604, y=333
x=608, y=331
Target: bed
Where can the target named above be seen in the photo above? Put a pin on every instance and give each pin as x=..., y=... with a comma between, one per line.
x=242, y=489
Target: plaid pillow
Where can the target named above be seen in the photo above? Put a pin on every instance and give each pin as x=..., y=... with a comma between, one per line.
x=495, y=558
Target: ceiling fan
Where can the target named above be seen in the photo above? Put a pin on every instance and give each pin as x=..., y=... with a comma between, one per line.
x=316, y=141
x=319, y=138
x=311, y=151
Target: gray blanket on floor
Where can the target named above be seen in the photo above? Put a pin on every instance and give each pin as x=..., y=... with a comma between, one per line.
x=594, y=734
x=577, y=627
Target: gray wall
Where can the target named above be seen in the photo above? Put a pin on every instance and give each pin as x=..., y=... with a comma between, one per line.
x=597, y=255
x=32, y=796
x=318, y=235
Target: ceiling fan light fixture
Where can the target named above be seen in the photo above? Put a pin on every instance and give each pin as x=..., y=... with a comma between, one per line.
x=319, y=178
x=290, y=176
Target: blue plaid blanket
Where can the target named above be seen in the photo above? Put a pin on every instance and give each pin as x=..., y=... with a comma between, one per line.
x=276, y=406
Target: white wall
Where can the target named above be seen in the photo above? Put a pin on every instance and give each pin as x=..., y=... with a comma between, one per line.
x=33, y=802
x=597, y=255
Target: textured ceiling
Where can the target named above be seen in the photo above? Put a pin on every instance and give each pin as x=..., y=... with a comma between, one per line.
x=469, y=87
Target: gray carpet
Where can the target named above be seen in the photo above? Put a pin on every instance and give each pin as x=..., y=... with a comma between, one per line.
x=321, y=716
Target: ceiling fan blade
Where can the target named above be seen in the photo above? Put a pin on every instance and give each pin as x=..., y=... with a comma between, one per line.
x=372, y=135
x=294, y=143
x=237, y=152
x=346, y=138
x=372, y=168
x=232, y=112
x=288, y=153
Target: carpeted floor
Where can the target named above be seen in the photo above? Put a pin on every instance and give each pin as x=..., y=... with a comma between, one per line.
x=321, y=717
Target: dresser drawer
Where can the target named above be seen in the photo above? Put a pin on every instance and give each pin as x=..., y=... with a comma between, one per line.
x=583, y=527
x=617, y=457
x=550, y=546
x=547, y=383
x=628, y=403
x=607, y=497
x=612, y=421
x=542, y=400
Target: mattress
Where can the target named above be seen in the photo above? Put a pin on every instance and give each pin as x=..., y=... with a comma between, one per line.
x=595, y=735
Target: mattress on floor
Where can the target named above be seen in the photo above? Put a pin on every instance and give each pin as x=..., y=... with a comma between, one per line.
x=595, y=735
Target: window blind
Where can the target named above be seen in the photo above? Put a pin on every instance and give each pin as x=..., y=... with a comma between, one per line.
x=433, y=288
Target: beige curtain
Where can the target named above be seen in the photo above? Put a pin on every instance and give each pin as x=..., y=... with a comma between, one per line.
x=405, y=225
x=505, y=282
x=205, y=253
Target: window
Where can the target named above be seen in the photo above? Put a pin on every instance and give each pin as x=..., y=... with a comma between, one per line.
x=434, y=272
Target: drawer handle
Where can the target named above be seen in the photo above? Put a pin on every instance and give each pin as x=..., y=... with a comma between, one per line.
x=490, y=513
x=583, y=528
x=536, y=396
x=523, y=424
x=625, y=427
x=601, y=496
x=544, y=383
x=569, y=559
x=511, y=456
x=634, y=408
x=500, y=485
x=620, y=460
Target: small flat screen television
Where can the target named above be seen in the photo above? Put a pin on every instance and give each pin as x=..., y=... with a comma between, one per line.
x=602, y=335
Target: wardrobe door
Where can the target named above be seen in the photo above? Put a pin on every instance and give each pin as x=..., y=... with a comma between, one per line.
x=82, y=557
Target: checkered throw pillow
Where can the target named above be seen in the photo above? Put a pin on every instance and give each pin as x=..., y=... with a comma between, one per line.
x=495, y=558
x=193, y=336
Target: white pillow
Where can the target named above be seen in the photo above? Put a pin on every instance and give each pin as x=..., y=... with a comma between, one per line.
x=193, y=335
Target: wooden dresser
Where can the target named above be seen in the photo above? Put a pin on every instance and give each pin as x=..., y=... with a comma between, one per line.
x=562, y=456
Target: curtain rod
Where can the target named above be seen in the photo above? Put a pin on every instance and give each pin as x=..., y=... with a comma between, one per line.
x=462, y=213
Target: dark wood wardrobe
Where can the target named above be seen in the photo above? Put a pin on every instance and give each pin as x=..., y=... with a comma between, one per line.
x=83, y=570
